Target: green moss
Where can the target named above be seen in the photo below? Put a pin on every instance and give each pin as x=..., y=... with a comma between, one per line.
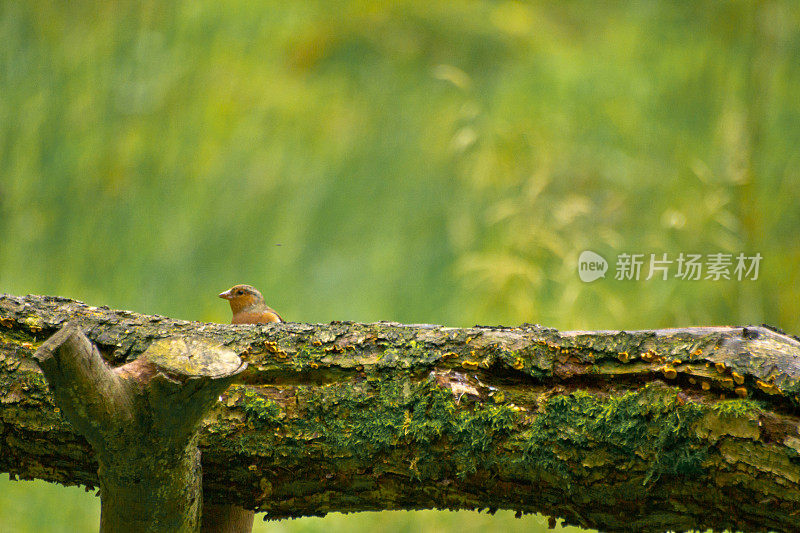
x=307, y=356
x=30, y=387
x=536, y=361
x=407, y=351
x=415, y=426
x=261, y=412
x=34, y=382
x=737, y=407
x=394, y=412
x=653, y=424
x=17, y=336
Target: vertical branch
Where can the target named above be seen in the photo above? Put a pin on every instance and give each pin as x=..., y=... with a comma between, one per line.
x=142, y=421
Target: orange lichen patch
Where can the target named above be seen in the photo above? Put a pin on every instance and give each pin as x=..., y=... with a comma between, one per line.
x=272, y=347
x=623, y=357
x=738, y=378
x=469, y=339
x=769, y=388
x=518, y=363
x=651, y=357
x=697, y=352
x=720, y=367
x=549, y=345
x=449, y=354
x=727, y=383
x=741, y=392
x=706, y=385
x=470, y=365
x=692, y=381
x=6, y=322
x=316, y=343
x=669, y=372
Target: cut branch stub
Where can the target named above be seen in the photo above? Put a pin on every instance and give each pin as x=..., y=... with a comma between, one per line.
x=142, y=420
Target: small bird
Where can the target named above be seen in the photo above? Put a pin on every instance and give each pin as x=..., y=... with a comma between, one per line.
x=248, y=306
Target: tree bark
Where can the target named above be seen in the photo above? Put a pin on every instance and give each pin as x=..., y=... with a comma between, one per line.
x=141, y=420
x=227, y=518
x=678, y=429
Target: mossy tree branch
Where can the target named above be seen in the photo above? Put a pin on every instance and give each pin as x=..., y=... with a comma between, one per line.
x=622, y=431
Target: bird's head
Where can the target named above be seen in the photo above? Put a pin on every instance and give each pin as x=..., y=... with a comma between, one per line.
x=242, y=297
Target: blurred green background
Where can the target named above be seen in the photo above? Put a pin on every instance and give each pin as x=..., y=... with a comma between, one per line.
x=410, y=161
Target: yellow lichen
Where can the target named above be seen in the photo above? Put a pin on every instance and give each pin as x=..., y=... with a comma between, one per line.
x=769, y=388
x=669, y=372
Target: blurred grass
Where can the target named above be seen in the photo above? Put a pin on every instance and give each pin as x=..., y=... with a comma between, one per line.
x=28, y=507
x=407, y=161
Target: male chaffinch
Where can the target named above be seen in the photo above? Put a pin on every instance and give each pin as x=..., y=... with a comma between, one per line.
x=248, y=306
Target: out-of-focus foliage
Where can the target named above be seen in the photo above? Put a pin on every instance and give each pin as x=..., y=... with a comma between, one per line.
x=414, y=161
x=27, y=507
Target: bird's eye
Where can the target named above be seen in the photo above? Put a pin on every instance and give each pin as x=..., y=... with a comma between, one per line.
x=240, y=292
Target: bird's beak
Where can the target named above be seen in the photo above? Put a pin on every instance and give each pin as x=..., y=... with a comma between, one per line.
x=227, y=295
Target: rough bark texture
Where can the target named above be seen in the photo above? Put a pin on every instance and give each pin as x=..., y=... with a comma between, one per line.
x=142, y=422
x=226, y=518
x=621, y=431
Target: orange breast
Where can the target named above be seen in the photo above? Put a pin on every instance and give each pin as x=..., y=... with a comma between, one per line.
x=256, y=317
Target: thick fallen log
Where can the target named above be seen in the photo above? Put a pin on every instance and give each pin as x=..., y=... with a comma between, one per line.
x=677, y=429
